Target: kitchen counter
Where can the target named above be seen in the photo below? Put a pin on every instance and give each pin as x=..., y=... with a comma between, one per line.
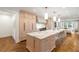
x=44, y=34
x=43, y=41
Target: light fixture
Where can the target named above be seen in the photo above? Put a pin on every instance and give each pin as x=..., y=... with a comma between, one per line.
x=54, y=18
x=46, y=14
x=59, y=20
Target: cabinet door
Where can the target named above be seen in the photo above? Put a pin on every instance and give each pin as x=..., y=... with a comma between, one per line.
x=34, y=24
x=30, y=43
x=21, y=25
x=30, y=24
x=27, y=23
x=27, y=26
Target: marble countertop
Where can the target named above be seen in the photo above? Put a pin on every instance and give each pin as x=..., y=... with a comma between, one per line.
x=44, y=34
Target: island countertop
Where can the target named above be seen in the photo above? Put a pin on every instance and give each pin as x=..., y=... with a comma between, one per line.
x=44, y=34
x=43, y=41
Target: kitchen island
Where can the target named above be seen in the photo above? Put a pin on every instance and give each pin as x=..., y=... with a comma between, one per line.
x=43, y=41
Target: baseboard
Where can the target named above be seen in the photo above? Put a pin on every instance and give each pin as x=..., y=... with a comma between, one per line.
x=12, y=38
x=6, y=37
x=9, y=37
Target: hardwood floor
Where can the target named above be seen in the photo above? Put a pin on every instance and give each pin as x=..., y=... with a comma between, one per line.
x=69, y=44
x=8, y=45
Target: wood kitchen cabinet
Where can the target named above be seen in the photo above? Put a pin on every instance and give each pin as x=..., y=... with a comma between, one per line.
x=40, y=45
x=44, y=41
x=27, y=23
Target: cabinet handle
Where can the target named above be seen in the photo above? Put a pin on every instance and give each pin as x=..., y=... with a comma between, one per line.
x=32, y=26
x=24, y=26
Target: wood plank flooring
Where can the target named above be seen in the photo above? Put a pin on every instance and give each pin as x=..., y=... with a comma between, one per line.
x=69, y=44
x=8, y=45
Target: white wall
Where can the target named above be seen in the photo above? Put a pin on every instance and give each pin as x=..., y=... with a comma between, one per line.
x=9, y=26
x=6, y=25
x=15, y=31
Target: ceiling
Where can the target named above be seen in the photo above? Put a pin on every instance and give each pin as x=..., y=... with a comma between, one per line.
x=63, y=13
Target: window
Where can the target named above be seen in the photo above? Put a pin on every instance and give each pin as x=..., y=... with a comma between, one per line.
x=69, y=24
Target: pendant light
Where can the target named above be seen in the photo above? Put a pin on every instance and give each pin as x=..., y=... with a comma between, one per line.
x=54, y=18
x=59, y=20
x=46, y=14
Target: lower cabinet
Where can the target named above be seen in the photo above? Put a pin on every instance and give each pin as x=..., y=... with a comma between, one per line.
x=40, y=45
x=60, y=39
